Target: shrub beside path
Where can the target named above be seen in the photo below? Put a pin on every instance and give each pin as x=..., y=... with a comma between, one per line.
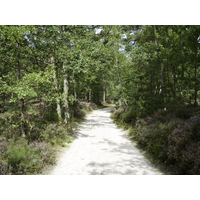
x=101, y=148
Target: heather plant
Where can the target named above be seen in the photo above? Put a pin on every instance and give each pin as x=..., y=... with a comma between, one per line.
x=29, y=154
x=174, y=143
x=3, y=167
x=3, y=147
x=190, y=159
x=170, y=136
x=19, y=157
x=113, y=110
x=80, y=114
x=44, y=150
x=55, y=134
x=130, y=116
x=118, y=113
x=185, y=112
x=87, y=106
x=3, y=163
x=183, y=145
x=152, y=138
x=162, y=116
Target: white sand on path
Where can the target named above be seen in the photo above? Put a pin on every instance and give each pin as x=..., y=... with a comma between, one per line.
x=101, y=148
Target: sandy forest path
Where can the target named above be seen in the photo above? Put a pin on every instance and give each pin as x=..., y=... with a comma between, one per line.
x=101, y=148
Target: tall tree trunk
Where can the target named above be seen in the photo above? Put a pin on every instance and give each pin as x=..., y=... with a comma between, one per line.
x=65, y=86
x=174, y=80
x=74, y=84
x=195, y=74
x=89, y=94
x=150, y=82
x=55, y=78
x=182, y=73
x=195, y=85
x=168, y=79
x=104, y=89
x=119, y=81
x=161, y=69
x=75, y=94
x=66, y=104
x=23, y=125
x=22, y=104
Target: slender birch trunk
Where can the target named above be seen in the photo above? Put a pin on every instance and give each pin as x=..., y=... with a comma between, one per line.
x=90, y=95
x=104, y=89
x=22, y=108
x=66, y=104
x=75, y=95
x=22, y=101
x=195, y=86
x=119, y=81
x=55, y=79
x=161, y=70
x=65, y=86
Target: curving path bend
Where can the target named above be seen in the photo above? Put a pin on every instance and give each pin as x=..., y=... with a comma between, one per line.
x=101, y=148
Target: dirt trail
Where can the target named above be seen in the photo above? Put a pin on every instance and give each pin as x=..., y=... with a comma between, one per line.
x=101, y=148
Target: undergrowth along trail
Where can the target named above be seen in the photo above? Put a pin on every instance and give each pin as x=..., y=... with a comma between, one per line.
x=170, y=138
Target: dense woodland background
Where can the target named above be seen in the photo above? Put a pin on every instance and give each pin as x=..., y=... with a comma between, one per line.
x=51, y=74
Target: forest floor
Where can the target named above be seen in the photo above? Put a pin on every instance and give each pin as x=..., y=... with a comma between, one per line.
x=101, y=148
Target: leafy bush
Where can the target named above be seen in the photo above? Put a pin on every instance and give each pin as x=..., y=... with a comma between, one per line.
x=34, y=134
x=10, y=125
x=51, y=116
x=124, y=115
